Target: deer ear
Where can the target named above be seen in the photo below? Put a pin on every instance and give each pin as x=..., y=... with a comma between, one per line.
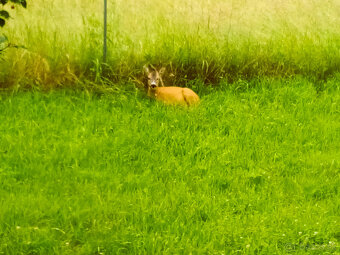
x=146, y=69
x=162, y=70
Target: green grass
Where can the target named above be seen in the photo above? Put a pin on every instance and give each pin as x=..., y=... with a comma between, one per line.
x=248, y=171
x=104, y=170
x=195, y=39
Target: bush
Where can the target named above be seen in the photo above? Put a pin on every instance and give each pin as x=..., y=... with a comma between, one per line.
x=4, y=16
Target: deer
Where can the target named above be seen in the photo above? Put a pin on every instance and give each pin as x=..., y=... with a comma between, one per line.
x=168, y=95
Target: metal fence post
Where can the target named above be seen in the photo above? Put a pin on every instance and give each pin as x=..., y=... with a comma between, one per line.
x=105, y=31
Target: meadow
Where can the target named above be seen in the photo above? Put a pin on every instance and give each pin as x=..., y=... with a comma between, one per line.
x=248, y=171
x=90, y=165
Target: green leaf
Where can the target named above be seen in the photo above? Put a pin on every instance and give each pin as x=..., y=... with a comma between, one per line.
x=4, y=14
x=2, y=22
x=3, y=39
x=24, y=3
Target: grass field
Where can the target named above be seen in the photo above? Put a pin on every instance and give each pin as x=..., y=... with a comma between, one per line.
x=90, y=165
x=210, y=40
x=249, y=171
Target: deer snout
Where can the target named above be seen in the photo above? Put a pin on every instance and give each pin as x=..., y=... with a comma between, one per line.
x=153, y=85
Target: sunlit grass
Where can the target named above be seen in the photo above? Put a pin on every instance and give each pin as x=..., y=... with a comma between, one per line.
x=248, y=171
x=105, y=170
x=209, y=40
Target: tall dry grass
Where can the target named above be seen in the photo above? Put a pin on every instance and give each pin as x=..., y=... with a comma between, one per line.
x=205, y=39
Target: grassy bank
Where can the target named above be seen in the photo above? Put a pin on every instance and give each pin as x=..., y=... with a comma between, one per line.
x=253, y=171
x=209, y=40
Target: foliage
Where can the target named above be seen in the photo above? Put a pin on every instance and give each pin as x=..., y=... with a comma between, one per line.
x=4, y=16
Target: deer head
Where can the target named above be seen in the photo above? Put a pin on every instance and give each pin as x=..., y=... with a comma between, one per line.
x=154, y=77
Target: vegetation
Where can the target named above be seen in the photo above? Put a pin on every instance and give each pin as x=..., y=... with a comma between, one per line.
x=247, y=171
x=254, y=169
x=4, y=15
x=196, y=39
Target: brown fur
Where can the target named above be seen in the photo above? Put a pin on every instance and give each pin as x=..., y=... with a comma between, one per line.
x=168, y=95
